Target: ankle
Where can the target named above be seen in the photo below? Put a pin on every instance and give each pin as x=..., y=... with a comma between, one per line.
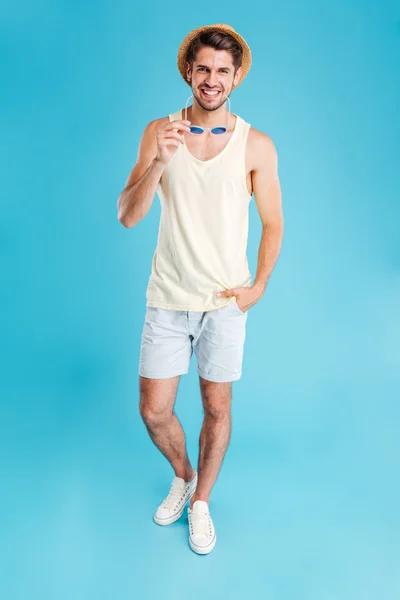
x=198, y=497
x=187, y=475
x=190, y=475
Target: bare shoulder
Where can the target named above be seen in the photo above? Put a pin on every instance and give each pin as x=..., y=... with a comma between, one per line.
x=148, y=142
x=261, y=146
x=147, y=150
x=154, y=125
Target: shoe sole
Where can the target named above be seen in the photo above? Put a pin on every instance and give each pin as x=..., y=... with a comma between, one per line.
x=174, y=518
x=201, y=549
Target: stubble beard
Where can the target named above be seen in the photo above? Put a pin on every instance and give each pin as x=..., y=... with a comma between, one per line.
x=207, y=107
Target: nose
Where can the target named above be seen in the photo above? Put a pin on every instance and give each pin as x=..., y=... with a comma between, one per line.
x=212, y=79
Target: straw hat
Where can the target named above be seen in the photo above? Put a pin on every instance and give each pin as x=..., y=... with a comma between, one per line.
x=183, y=48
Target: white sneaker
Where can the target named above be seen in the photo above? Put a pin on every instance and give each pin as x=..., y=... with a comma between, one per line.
x=171, y=509
x=202, y=536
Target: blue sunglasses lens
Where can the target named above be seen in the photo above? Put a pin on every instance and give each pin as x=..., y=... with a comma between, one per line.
x=196, y=130
x=218, y=130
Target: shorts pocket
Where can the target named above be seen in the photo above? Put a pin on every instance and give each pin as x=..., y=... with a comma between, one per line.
x=241, y=312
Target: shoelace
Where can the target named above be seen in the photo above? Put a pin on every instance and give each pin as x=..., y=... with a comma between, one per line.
x=174, y=497
x=200, y=522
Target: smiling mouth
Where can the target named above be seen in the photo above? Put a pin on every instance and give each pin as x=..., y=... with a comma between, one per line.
x=210, y=93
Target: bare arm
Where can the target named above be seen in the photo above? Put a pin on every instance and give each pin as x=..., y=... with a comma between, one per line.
x=267, y=193
x=137, y=197
x=159, y=142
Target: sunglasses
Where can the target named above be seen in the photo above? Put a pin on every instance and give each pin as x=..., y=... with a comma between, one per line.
x=196, y=130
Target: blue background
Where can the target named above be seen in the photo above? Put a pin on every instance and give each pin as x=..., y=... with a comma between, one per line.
x=306, y=504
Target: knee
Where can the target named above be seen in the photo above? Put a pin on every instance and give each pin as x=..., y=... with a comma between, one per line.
x=218, y=415
x=217, y=410
x=217, y=400
x=151, y=416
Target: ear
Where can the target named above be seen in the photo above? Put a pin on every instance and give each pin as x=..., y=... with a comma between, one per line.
x=188, y=72
x=238, y=76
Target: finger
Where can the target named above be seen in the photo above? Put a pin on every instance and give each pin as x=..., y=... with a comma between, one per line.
x=166, y=143
x=225, y=293
x=170, y=135
x=179, y=122
x=177, y=125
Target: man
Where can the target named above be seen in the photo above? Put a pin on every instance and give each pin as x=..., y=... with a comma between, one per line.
x=205, y=163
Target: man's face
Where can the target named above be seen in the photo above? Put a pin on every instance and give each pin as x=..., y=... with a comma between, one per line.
x=212, y=77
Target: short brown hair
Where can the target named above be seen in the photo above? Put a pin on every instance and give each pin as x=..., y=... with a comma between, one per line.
x=218, y=40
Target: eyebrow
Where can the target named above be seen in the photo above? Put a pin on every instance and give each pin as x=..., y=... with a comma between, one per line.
x=206, y=67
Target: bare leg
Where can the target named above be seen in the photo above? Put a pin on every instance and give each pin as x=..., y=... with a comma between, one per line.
x=215, y=435
x=157, y=400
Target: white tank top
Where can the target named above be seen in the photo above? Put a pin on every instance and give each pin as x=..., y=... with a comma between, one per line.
x=203, y=230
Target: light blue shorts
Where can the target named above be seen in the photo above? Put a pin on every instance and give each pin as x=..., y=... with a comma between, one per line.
x=216, y=336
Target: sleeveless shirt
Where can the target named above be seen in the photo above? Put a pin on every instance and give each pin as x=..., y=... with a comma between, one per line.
x=203, y=230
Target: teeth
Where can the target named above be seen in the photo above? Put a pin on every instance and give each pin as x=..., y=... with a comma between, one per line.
x=211, y=93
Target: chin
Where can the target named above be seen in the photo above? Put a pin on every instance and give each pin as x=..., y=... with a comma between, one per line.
x=212, y=103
